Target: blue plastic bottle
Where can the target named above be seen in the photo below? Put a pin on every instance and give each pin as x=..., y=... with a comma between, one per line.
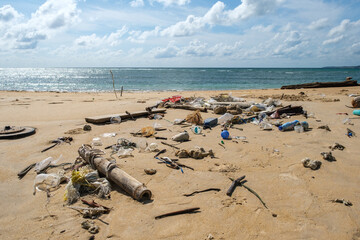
x=356, y=112
x=288, y=125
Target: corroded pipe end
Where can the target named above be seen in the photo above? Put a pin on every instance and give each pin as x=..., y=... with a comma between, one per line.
x=142, y=193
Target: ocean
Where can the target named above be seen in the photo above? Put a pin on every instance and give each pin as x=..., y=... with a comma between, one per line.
x=97, y=79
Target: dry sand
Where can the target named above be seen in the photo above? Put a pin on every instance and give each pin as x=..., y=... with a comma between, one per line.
x=300, y=197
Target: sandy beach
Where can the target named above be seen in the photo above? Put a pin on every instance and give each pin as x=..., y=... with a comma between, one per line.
x=298, y=199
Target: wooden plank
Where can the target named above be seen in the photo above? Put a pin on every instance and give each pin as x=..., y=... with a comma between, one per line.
x=106, y=118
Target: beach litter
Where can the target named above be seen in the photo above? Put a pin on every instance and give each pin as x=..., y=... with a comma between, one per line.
x=181, y=137
x=343, y=201
x=90, y=226
x=194, y=118
x=355, y=102
x=326, y=127
x=150, y=171
x=337, y=146
x=313, y=164
x=48, y=182
x=328, y=156
x=185, y=211
x=196, y=153
x=13, y=132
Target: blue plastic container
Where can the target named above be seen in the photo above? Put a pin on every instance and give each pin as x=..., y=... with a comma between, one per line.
x=288, y=125
x=225, y=134
x=356, y=112
x=210, y=122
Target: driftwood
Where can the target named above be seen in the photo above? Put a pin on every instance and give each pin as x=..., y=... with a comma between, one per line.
x=347, y=83
x=201, y=191
x=136, y=189
x=186, y=107
x=189, y=210
x=242, y=105
x=106, y=118
x=233, y=185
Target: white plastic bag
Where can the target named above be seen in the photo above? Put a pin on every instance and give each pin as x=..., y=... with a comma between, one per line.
x=46, y=182
x=45, y=163
x=125, y=152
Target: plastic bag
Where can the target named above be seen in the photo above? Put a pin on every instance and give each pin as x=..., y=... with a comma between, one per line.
x=47, y=182
x=109, y=135
x=45, y=163
x=153, y=147
x=116, y=119
x=125, y=152
x=147, y=131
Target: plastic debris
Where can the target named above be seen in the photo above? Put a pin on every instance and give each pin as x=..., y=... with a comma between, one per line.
x=147, y=131
x=96, y=141
x=48, y=182
x=87, y=181
x=181, y=137
x=196, y=153
x=225, y=118
x=313, y=164
x=40, y=166
x=153, y=147
x=125, y=152
x=108, y=135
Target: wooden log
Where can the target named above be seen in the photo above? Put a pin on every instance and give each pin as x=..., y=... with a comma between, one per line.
x=240, y=104
x=133, y=187
x=106, y=118
x=186, y=107
x=347, y=83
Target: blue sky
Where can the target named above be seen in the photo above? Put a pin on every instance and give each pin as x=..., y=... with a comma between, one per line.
x=179, y=33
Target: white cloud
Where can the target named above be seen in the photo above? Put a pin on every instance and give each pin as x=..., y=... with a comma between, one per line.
x=172, y=2
x=8, y=13
x=51, y=17
x=93, y=41
x=137, y=3
x=355, y=48
x=218, y=16
x=319, y=24
x=291, y=43
x=333, y=40
x=167, y=52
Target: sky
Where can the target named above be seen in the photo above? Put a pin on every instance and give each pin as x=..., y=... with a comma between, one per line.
x=179, y=33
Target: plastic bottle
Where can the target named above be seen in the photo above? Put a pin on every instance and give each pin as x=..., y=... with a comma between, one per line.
x=356, y=112
x=225, y=134
x=196, y=129
x=288, y=125
x=305, y=125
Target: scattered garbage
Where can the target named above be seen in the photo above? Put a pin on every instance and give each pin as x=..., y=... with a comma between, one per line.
x=225, y=134
x=210, y=122
x=152, y=147
x=150, y=171
x=343, y=201
x=179, y=121
x=115, y=119
x=147, y=131
x=313, y=164
x=106, y=135
x=48, y=182
x=90, y=226
x=125, y=152
x=87, y=127
x=181, y=137
x=326, y=127
x=337, y=146
x=40, y=166
x=194, y=118
x=355, y=102
x=86, y=180
x=357, y=112
x=12, y=132
x=220, y=110
x=225, y=118
x=288, y=126
x=196, y=153
x=196, y=129
x=350, y=133
x=328, y=156
x=96, y=142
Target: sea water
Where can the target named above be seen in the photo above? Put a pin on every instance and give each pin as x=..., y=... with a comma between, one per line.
x=161, y=79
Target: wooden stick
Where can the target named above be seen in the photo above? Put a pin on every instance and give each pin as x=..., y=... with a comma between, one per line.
x=233, y=185
x=122, y=89
x=132, y=117
x=189, y=210
x=170, y=145
x=206, y=190
x=112, y=75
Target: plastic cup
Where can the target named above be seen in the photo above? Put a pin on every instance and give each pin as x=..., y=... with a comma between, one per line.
x=299, y=129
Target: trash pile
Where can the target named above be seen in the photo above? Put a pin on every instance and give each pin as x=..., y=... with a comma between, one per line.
x=93, y=174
